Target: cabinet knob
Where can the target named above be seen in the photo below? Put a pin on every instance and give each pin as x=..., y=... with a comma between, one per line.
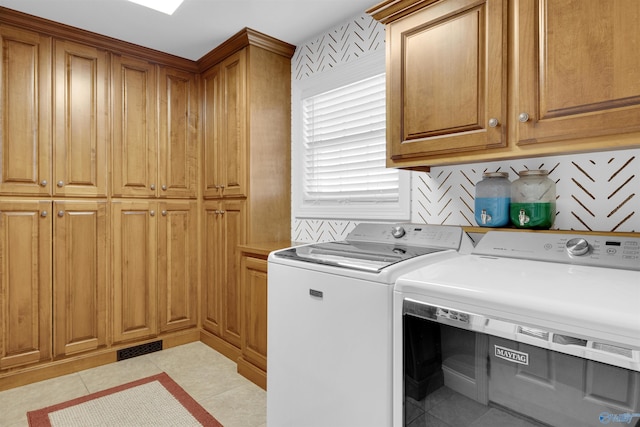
x=152, y=213
x=60, y=214
x=523, y=117
x=152, y=186
x=44, y=214
x=164, y=187
x=222, y=212
x=493, y=122
x=164, y=213
x=43, y=183
x=60, y=184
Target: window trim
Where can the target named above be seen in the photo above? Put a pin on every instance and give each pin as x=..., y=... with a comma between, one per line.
x=342, y=75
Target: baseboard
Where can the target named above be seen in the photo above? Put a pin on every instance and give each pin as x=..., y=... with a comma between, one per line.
x=221, y=346
x=252, y=373
x=76, y=363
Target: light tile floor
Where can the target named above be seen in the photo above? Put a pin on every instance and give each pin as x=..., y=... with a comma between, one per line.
x=209, y=377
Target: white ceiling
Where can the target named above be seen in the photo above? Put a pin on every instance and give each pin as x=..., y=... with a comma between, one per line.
x=198, y=25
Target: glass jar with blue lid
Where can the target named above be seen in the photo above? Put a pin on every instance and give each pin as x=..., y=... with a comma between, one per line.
x=493, y=195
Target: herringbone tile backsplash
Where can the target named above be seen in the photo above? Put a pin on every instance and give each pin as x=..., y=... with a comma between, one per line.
x=595, y=191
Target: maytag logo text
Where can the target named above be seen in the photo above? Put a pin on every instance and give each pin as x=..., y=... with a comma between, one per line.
x=511, y=355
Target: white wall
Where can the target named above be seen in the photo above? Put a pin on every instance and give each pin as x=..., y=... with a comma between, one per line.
x=595, y=191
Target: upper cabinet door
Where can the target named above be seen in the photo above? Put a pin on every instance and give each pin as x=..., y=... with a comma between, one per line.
x=135, y=136
x=578, y=69
x=233, y=125
x=211, y=101
x=25, y=112
x=446, y=79
x=224, y=100
x=178, y=133
x=80, y=94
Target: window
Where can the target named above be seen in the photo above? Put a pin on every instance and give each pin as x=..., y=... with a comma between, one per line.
x=340, y=171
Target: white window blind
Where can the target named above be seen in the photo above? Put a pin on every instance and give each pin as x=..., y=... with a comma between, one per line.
x=344, y=145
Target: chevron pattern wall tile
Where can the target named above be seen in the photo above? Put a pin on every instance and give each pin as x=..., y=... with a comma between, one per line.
x=594, y=191
x=345, y=43
x=312, y=230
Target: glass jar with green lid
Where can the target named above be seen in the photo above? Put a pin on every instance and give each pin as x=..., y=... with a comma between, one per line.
x=533, y=200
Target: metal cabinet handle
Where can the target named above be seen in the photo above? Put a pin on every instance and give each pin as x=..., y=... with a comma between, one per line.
x=43, y=183
x=523, y=117
x=152, y=186
x=60, y=214
x=60, y=184
x=493, y=122
x=164, y=213
x=164, y=187
x=44, y=214
x=152, y=213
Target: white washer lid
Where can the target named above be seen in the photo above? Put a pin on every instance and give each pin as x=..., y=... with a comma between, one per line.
x=591, y=302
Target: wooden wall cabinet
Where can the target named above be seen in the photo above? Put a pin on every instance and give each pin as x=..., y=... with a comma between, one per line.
x=25, y=113
x=446, y=81
x=25, y=282
x=573, y=82
x=578, y=70
x=80, y=260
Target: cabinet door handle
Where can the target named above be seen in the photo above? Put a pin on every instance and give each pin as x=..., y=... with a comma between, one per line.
x=152, y=186
x=60, y=184
x=164, y=187
x=523, y=117
x=152, y=213
x=164, y=213
x=493, y=122
x=60, y=214
x=43, y=214
x=43, y=183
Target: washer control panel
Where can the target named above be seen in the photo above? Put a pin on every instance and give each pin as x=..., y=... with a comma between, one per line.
x=593, y=250
x=436, y=236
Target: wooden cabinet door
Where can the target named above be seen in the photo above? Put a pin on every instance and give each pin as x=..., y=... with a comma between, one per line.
x=232, y=162
x=224, y=100
x=233, y=233
x=578, y=69
x=25, y=282
x=211, y=101
x=178, y=134
x=81, y=121
x=223, y=229
x=254, y=308
x=134, y=270
x=446, y=80
x=212, y=262
x=25, y=112
x=135, y=136
x=177, y=265
x=80, y=276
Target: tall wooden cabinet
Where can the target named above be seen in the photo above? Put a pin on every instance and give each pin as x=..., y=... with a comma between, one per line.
x=128, y=178
x=246, y=95
x=471, y=81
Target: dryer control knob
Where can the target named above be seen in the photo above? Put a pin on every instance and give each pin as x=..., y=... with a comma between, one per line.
x=577, y=247
x=398, y=231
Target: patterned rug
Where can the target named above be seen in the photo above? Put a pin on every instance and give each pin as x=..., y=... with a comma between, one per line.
x=153, y=401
